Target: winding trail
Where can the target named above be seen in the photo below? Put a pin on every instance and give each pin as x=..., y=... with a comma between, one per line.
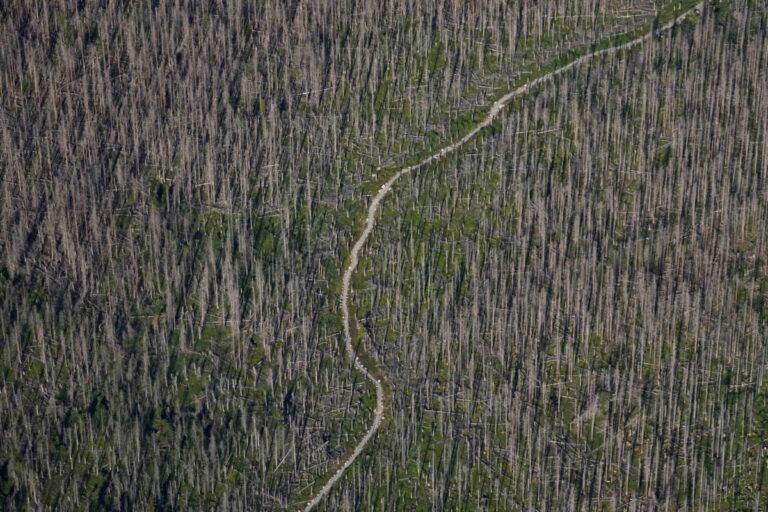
x=370, y=223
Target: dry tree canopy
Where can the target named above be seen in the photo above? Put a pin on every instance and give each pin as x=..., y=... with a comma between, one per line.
x=570, y=311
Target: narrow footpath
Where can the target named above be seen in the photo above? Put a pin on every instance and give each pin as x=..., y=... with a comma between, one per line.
x=370, y=223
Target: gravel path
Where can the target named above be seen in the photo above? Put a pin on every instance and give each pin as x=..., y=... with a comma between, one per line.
x=370, y=223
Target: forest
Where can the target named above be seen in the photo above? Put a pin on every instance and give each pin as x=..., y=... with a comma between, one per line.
x=568, y=312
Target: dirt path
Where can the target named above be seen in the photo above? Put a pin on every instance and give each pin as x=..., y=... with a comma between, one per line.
x=370, y=223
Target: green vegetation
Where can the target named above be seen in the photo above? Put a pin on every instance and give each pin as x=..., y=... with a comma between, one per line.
x=580, y=292
x=604, y=388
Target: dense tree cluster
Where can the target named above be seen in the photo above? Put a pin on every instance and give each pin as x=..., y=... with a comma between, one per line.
x=179, y=186
x=581, y=316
